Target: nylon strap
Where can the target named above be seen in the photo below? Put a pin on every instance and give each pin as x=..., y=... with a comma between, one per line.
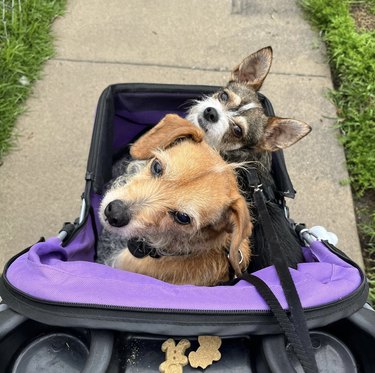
x=287, y=327
x=295, y=328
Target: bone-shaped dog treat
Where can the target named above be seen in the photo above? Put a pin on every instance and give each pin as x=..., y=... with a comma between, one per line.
x=207, y=352
x=175, y=358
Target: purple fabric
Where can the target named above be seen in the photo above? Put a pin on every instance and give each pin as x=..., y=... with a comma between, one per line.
x=131, y=117
x=50, y=272
x=124, y=133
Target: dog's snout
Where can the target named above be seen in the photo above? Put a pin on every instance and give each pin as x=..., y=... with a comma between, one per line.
x=117, y=213
x=211, y=115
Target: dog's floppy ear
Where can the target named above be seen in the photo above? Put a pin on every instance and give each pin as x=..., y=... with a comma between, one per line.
x=165, y=133
x=280, y=133
x=241, y=228
x=254, y=68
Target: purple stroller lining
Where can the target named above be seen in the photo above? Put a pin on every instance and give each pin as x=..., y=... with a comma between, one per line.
x=68, y=274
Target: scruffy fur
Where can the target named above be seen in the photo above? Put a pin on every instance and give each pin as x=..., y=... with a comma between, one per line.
x=236, y=125
x=194, y=180
x=237, y=105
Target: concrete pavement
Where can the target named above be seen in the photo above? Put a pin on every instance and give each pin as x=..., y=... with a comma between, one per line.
x=169, y=41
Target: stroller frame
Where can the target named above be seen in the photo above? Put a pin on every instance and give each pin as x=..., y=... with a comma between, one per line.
x=240, y=329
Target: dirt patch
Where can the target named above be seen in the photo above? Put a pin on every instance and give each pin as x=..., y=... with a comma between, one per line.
x=364, y=207
x=363, y=16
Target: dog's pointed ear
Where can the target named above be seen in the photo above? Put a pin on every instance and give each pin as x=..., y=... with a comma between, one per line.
x=171, y=128
x=254, y=68
x=241, y=228
x=280, y=133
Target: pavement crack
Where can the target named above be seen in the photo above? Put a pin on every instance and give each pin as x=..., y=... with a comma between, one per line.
x=181, y=67
x=145, y=64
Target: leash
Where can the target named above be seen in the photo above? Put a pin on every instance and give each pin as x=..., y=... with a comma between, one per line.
x=295, y=328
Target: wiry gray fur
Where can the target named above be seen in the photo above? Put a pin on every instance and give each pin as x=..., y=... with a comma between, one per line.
x=110, y=244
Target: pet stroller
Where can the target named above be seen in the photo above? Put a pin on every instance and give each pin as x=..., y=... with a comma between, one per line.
x=62, y=312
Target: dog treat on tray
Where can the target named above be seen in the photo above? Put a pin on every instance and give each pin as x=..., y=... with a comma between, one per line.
x=175, y=358
x=207, y=352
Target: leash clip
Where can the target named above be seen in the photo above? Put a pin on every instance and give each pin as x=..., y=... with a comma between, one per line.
x=257, y=188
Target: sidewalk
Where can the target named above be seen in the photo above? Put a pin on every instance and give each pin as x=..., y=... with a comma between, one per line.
x=168, y=41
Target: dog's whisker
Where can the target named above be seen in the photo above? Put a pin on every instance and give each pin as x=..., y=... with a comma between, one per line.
x=244, y=165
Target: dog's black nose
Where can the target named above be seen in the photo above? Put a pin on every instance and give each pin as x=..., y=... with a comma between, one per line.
x=211, y=115
x=117, y=213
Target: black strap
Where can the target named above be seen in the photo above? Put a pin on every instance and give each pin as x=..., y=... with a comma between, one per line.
x=298, y=334
x=281, y=316
x=307, y=357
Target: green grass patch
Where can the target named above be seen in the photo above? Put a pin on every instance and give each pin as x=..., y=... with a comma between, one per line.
x=351, y=50
x=352, y=57
x=25, y=43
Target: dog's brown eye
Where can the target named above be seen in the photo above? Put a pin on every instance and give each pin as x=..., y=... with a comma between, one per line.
x=181, y=217
x=237, y=131
x=156, y=168
x=223, y=97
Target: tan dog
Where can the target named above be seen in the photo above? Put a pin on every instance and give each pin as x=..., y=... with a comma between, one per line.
x=183, y=204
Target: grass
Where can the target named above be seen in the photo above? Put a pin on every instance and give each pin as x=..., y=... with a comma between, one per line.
x=352, y=58
x=25, y=43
